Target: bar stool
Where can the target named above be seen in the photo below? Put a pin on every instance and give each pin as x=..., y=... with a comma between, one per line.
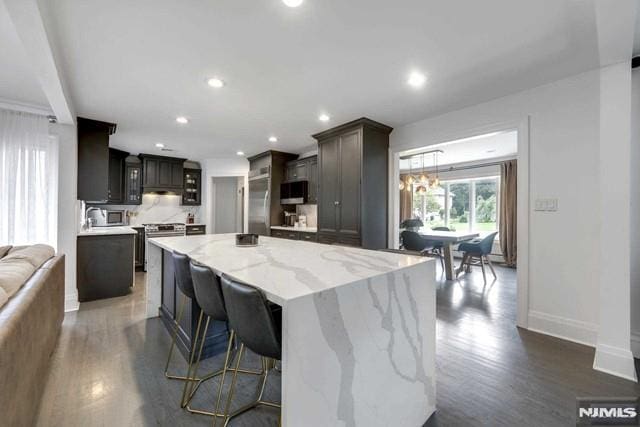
x=185, y=284
x=258, y=326
x=208, y=295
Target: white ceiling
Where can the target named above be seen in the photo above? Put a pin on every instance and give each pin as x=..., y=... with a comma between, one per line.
x=142, y=63
x=17, y=82
x=473, y=149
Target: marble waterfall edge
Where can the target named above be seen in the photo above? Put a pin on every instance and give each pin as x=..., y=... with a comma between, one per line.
x=363, y=354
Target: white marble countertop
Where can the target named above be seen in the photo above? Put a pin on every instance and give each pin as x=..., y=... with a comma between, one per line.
x=300, y=229
x=106, y=231
x=288, y=269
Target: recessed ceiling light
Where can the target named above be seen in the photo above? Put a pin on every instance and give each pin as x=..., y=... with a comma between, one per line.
x=160, y=145
x=215, y=82
x=240, y=153
x=292, y=3
x=324, y=117
x=491, y=151
x=182, y=120
x=417, y=79
x=273, y=139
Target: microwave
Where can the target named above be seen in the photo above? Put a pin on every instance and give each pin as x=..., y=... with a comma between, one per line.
x=294, y=192
x=107, y=217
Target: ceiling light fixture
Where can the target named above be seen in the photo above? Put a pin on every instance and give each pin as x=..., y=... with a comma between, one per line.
x=273, y=139
x=324, y=117
x=182, y=120
x=417, y=79
x=240, y=153
x=292, y=3
x=159, y=145
x=215, y=82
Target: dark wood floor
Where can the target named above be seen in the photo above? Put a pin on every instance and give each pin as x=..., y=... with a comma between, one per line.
x=107, y=370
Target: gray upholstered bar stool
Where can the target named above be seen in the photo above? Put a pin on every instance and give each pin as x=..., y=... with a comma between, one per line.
x=258, y=326
x=208, y=294
x=185, y=284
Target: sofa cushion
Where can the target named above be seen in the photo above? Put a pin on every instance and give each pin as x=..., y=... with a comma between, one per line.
x=19, y=265
x=4, y=250
x=36, y=255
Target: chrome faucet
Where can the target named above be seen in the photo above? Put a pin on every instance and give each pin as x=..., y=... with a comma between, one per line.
x=86, y=216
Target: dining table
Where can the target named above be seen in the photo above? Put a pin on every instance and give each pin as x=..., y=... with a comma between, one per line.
x=448, y=239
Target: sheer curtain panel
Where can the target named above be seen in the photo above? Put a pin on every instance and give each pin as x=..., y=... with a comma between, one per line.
x=28, y=180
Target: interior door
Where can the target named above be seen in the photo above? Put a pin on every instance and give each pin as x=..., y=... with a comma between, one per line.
x=349, y=184
x=259, y=206
x=328, y=180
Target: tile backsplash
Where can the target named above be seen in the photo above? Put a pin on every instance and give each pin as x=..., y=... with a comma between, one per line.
x=160, y=208
x=311, y=211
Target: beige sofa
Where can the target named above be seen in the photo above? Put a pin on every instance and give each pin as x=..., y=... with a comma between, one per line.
x=31, y=315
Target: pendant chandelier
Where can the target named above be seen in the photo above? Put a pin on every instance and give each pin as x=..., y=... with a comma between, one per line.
x=424, y=180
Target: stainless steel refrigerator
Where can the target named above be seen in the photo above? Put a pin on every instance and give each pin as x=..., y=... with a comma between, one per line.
x=259, y=201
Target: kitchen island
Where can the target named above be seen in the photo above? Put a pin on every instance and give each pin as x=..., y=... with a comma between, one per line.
x=358, y=328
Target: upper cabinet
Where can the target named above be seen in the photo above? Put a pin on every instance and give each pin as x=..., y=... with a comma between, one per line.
x=353, y=184
x=305, y=169
x=94, y=160
x=192, y=193
x=115, y=193
x=161, y=173
x=132, y=181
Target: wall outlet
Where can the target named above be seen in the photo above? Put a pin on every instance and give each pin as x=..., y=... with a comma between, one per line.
x=546, y=205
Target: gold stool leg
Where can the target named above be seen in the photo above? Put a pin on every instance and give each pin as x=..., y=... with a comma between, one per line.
x=233, y=388
x=188, y=384
x=224, y=374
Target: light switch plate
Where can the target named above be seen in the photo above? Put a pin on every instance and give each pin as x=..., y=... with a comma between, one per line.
x=546, y=205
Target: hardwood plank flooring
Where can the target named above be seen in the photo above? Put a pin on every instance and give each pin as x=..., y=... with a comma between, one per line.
x=108, y=367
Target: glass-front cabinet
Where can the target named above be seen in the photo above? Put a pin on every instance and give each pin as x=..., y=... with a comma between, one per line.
x=192, y=190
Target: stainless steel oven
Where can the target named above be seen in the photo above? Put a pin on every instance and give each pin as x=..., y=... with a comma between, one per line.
x=160, y=230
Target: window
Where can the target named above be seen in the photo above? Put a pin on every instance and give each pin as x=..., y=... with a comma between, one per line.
x=464, y=205
x=28, y=180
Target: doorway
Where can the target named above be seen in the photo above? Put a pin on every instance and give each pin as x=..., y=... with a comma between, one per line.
x=227, y=204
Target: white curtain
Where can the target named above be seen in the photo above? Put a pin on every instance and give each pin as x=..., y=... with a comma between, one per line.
x=28, y=180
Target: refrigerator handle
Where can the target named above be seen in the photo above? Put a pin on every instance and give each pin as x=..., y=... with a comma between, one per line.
x=266, y=221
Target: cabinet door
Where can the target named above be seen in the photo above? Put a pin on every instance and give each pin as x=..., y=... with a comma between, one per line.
x=312, y=170
x=349, y=184
x=328, y=168
x=93, y=163
x=150, y=172
x=165, y=173
x=116, y=173
x=177, y=175
x=132, y=191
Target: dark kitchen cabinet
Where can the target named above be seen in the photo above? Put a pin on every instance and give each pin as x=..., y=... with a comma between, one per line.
x=162, y=173
x=132, y=181
x=312, y=176
x=353, y=184
x=196, y=229
x=139, y=251
x=192, y=187
x=94, y=160
x=294, y=235
x=296, y=170
x=116, y=176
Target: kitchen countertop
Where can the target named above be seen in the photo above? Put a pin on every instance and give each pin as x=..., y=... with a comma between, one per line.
x=300, y=229
x=106, y=231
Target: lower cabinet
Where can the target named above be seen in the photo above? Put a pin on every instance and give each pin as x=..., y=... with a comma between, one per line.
x=139, y=252
x=294, y=235
x=217, y=334
x=104, y=267
x=338, y=239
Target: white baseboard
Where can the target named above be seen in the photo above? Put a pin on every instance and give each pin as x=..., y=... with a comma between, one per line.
x=71, y=302
x=615, y=361
x=561, y=327
x=635, y=344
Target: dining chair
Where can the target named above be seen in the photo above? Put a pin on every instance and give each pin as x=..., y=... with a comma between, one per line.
x=438, y=245
x=478, y=251
x=413, y=241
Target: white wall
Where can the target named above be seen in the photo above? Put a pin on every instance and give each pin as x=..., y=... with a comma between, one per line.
x=233, y=166
x=564, y=146
x=635, y=216
x=67, y=207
